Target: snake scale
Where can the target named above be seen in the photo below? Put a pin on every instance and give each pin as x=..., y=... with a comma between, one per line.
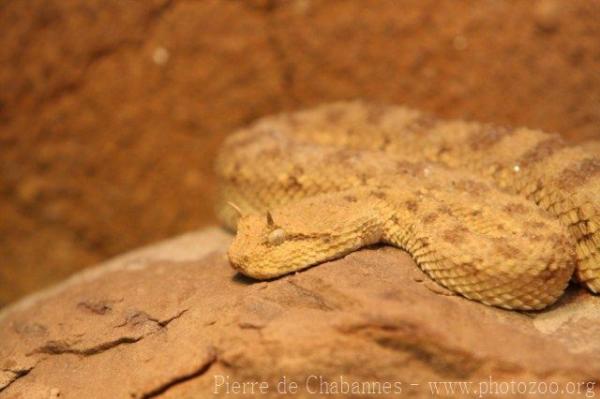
x=504, y=216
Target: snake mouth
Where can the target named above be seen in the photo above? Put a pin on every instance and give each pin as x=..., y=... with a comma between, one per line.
x=267, y=263
x=244, y=266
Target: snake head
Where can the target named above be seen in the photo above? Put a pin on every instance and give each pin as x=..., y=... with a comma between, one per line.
x=299, y=235
x=260, y=249
x=272, y=245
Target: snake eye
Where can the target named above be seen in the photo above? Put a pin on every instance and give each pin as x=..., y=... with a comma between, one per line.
x=276, y=237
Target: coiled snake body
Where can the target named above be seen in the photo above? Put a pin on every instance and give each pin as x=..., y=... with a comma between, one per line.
x=503, y=216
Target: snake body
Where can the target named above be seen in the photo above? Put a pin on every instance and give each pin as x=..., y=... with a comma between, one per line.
x=499, y=215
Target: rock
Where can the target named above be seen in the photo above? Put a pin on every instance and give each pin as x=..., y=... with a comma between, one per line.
x=175, y=321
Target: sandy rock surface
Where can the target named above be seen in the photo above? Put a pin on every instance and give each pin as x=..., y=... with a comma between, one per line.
x=175, y=321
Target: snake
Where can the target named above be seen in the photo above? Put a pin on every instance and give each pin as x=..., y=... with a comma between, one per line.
x=504, y=216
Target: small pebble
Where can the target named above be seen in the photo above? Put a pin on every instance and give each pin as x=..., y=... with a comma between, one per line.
x=160, y=56
x=547, y=15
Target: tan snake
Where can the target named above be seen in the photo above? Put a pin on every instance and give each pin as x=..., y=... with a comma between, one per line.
x=460, y=197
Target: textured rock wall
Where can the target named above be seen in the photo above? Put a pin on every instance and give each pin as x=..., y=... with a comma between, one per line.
x=111, y=111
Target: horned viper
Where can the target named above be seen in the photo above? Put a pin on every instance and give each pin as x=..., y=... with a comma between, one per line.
x=499, y=215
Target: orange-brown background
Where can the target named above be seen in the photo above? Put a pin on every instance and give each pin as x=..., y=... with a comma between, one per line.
x=111, y=111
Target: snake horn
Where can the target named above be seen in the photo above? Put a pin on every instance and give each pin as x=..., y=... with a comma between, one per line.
x=270, y=219
x=235, y=208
